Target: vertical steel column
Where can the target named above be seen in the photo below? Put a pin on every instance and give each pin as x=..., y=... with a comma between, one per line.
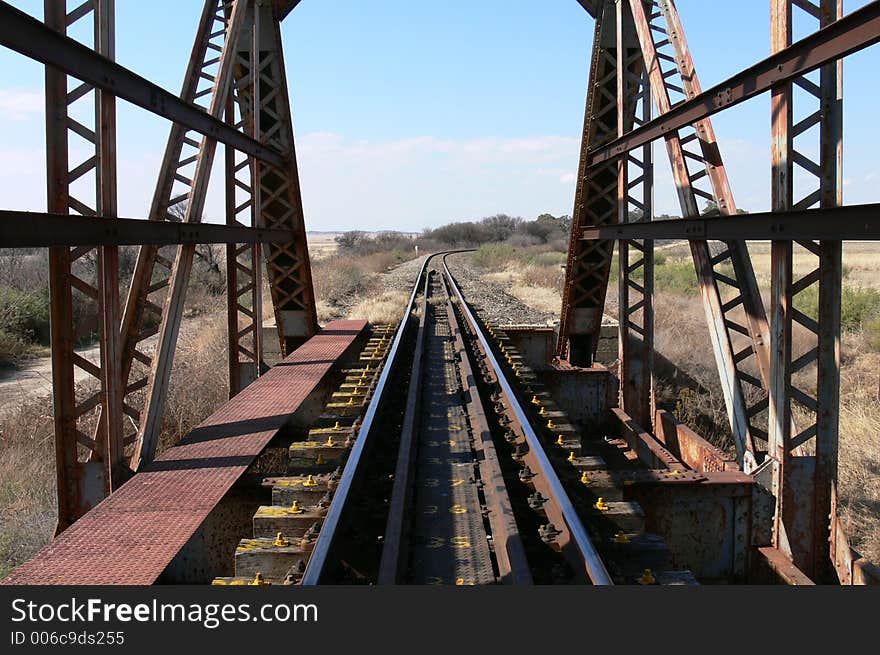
x=734, y=310
x=805, y=485
x=181, y=268
x=588, y=267
x=93, y=273
x=150, y=279
x=243, y=261
x=277, y=190
x=108, y=259
x=635, y=257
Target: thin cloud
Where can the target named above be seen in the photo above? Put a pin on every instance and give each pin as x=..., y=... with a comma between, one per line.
x=20, y=104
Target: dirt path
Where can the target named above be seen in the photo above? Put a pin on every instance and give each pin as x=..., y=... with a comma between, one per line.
x=34, y=379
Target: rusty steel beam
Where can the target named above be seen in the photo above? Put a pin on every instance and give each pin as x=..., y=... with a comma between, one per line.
x=39, y=229
x=849, y=223
x=276, y=190
x=590, y=6
x=806, y=371
x=82, y=483
x=172, y=313
x=244, y=262
x=30, y=37
x=782, y=567
x=855, y=31
x=588, y=266
x=283, y=8
x=147, y=292
x=695, y=157
x=635, y=196
x=109, y=310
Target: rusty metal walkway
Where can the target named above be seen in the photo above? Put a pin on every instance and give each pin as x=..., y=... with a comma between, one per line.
x=132, y=536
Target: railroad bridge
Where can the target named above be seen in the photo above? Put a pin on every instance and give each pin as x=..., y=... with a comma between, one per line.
x=446, y=449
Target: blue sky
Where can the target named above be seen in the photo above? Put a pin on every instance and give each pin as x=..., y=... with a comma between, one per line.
x=412, y=114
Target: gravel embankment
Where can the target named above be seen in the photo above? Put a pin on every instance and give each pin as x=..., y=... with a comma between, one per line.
x=494, y=303
x=402, y=278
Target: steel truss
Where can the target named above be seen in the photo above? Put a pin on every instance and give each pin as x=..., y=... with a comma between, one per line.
x=89, y=466
x=635, y=190
x=807, y=171
x=105, y=432
x=782, y=404
x=797, y=392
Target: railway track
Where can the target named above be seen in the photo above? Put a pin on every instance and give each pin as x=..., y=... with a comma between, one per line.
x=443, y=459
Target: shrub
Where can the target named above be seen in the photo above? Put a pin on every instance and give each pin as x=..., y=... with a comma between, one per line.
x=494, y=257
x=356, y=242
x=858, y=306
x=675, y=277
x=551, y=258
x=25, y=314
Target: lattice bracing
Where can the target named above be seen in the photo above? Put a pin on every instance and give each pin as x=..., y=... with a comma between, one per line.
x=81, y=156
x=807, y=171
x=636, y=256
x=734, y=310
x=589, y=262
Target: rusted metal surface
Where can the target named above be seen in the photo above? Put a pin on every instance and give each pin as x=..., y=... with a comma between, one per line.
x=653, y=453
x=733, y=306
x=707, y=523
x=31, y=38
x=639, y=50
x=276, y=188
x=856, y=31
x=147, y=293
x=851, y=567
x=244, y=279
x=852, y=223
x=690, y=447
x=178, y=280
x=134, y=534
x=635, y=196
x=589, y=263
x=805, y=485
x=782, y=567
x=20, y=229
x=82, y=484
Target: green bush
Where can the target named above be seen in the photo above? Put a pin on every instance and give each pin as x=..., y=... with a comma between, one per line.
x=25, y=314
x=858, y=307
x=675, y=276
x=494, y=257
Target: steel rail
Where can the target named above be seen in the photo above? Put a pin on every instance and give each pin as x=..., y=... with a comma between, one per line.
x=318, y=560
x=394, y=550
x=593, y=562
x=513, y=565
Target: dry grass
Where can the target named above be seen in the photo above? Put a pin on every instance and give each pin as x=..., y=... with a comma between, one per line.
x=27, y=452
x=385, y=308
x=542, y=298
x=27, y=482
